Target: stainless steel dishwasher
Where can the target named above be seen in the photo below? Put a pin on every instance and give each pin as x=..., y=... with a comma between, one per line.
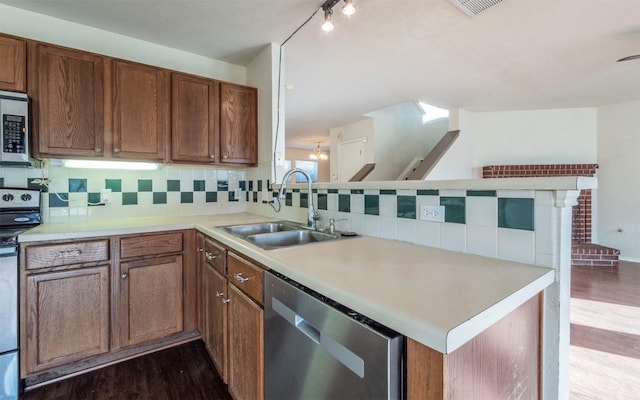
x=318, y=349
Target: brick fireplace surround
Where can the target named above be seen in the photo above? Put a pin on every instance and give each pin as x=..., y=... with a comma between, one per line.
x=583, y=252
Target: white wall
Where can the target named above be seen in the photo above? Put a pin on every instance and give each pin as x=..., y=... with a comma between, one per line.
x=27, y=24
x=520, y=137
x=293, y=154
x=617, y=202
x=400, y=136
x=353, y=131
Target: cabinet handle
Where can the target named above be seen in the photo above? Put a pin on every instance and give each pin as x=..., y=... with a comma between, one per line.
x=124, y=275
x=225, y=301
x=69, y=253
x=219, y=294
x=225, y=156
x=238, y=276
x=116, y=150
x=210, y=256
x=98, y=149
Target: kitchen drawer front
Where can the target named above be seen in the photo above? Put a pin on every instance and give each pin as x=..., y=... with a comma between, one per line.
x=70, y=253
x=150, y=245
x=216, y=256
x=245, y=276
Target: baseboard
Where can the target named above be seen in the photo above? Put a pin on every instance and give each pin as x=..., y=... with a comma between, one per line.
x=630, y=259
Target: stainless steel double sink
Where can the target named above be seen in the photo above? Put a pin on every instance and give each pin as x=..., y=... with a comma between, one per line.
x=275, y=235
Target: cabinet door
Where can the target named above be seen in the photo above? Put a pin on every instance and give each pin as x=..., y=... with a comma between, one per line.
x=201, y=282
x=151, y=298
x=215, y=318
x=67, y=317
x=140, y=108
x=66, y=87
x=238, y=124
x=194, y=119
x=246, y=367
x=13, y=64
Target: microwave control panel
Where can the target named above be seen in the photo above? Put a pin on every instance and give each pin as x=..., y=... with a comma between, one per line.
x=14, y=133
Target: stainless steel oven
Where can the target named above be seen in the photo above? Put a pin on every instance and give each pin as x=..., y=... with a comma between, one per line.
x=19, y=210
x=318, y=349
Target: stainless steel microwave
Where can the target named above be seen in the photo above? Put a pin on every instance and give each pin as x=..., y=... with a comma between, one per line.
x=14, y=130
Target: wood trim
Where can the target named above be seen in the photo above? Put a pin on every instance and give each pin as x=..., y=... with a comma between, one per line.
x=190, y=282
x=363, y=172
x=425, y=379
x=431, y=159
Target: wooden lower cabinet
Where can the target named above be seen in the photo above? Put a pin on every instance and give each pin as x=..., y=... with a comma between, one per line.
x=215, y=318
x=150, y=299
x=245, y=377
x=68, y=316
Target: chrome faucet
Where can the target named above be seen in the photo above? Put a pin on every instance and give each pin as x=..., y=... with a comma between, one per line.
x=313, y=214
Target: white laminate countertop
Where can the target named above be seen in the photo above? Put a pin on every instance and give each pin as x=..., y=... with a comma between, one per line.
x=439, y=298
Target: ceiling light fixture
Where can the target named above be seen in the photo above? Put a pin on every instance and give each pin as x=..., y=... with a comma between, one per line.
x=318, y=154
x=348, y=9
x=327, y=25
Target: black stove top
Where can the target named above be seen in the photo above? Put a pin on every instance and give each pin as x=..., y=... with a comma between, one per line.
x=19, y=211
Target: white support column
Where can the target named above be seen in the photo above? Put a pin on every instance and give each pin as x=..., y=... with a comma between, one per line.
x=557, y=302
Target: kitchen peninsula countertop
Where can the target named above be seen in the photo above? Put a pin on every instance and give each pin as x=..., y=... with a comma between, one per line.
x=439, y=298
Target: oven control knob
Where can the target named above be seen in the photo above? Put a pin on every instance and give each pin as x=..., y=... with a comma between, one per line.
x=26, y=197
x=7, y=197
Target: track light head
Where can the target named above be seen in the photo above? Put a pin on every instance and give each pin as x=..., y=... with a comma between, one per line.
x=327, y=25
x=348, y=9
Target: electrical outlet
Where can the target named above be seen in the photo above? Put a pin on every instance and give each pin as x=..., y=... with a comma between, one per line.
x=105, y=196
x=432, y=213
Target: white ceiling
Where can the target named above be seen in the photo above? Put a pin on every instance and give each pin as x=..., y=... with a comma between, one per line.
x=519, y=54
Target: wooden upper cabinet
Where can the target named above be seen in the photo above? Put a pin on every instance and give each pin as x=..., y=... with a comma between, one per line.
x=238, y=124
x=140, y=110
x=66, y=87
x=13, y=64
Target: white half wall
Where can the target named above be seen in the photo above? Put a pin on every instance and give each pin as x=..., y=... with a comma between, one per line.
x=519, y=137
x=617, y=199
x=30, y=25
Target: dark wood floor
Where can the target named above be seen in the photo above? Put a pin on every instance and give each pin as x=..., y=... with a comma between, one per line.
x=605, y=332
x=182, y=373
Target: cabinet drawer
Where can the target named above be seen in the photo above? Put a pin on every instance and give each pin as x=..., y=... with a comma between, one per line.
x=216, y=256
x=53, y=255
x=138, y=246
x=245, y=276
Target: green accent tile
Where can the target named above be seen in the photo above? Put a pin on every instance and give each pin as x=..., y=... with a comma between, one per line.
x=2, y=182
x=454, y=209
x=314, y=190
x=259, y=185
x=371, y=204
x=387, y=191
x=251, y=186
x=173, y=185
x=255, y=197
x=93, y=198
x=288, y=201
x=186, y=197
x=198, y=186
x=482, y=193
x=159, y=197
x=211, y=197
x=333, y=191
x=63, y=201
x=232, y=196
x=129, y=198
x=304, y=200
x=357, y=191
x=322, y=201
x=223, y=186
x=406, y=206
x=516, y=213
x=242, y=185
x=344, y=203
x=77, y=185
x=296, y=190
x=114, y=184
x=145, y=185
x=428, y=192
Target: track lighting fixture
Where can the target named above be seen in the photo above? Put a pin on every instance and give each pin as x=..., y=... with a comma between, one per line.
x=347, y=9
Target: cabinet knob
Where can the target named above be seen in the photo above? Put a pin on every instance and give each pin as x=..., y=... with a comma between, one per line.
x=116, y=150
x=212, y=156
x=98, y=149
x=238, y=276
x=225, y=301
x=225, y=156
x=124, y=275
x=209, y=256
x=200, y=250
x=219, y=294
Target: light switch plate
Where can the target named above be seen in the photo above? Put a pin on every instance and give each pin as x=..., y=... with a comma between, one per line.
x=105, y=196
x=431, y=213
